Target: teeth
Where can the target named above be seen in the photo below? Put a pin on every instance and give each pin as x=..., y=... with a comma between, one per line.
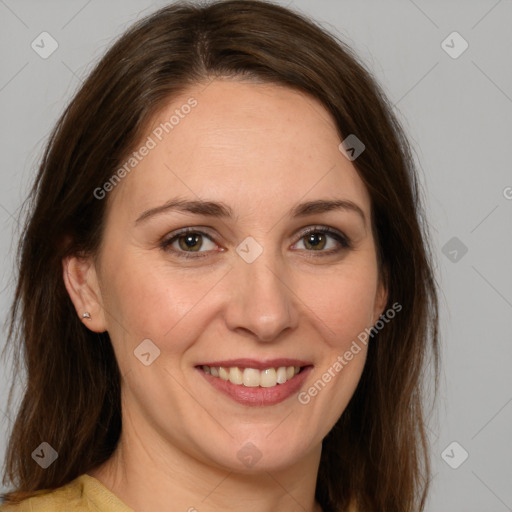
x=236, y=376
x=281, y=376
x=251, y=377
x=268, y=378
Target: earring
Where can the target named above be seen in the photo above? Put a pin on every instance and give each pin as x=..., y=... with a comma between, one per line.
x=86, y=315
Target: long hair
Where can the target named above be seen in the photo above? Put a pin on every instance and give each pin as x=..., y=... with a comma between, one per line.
x=377, y=454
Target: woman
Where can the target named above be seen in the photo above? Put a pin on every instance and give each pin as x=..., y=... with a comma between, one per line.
x=225, y=296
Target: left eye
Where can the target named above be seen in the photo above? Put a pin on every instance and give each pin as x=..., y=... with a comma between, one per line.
x=323, y=240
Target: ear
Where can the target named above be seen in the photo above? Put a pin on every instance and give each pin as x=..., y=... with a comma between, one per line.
x=81, y=281
x=381, y=298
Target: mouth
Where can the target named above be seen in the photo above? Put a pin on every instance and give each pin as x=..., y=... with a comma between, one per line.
x=251, y=382
x=252, y=377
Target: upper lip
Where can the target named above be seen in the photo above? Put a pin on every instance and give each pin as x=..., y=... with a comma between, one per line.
x=257, y=364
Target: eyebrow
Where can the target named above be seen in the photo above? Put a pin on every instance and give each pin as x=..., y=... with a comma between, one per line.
x=222, y=210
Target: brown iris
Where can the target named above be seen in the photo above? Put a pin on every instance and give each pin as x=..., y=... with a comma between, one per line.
x=190, y=241
x=316, y=240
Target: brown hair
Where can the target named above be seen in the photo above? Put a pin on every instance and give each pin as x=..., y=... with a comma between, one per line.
x=377, y=454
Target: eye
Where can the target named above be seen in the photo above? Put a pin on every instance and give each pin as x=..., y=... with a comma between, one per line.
x=190, y=242
x=187, y=242
x=324, y=240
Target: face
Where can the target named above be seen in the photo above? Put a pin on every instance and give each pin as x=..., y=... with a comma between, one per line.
x=224, y=247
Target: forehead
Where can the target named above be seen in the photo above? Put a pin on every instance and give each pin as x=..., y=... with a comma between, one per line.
x=244, y=143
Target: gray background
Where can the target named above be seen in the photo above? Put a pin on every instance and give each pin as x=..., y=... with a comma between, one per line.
x=458, y=114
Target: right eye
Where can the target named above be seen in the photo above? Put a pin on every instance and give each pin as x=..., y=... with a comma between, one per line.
x=186, y=242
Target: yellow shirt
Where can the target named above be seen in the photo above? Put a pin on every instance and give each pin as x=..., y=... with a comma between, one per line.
x=83, y=494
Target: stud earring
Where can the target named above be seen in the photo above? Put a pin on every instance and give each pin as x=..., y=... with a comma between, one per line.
x=86, y=315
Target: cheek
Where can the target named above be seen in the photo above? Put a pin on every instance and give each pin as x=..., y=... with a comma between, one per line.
x=342, y=302
x=147, y=299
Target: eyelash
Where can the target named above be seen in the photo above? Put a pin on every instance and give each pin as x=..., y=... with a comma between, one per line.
x=342, y=239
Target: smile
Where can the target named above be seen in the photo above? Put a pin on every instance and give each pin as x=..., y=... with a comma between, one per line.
x=252, y=377
x=256, y=383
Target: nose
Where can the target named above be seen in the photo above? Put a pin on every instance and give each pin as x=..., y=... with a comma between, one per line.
x=262, y=301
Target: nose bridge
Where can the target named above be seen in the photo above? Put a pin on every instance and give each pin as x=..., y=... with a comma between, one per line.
x=262, y=302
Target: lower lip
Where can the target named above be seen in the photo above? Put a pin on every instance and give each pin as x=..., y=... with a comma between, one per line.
x=258, y=396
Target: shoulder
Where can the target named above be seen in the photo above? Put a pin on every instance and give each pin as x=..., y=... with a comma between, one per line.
x=67, y=497
x=83, y=494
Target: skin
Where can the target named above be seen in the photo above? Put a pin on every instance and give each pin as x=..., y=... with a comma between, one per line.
x=261, y=149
